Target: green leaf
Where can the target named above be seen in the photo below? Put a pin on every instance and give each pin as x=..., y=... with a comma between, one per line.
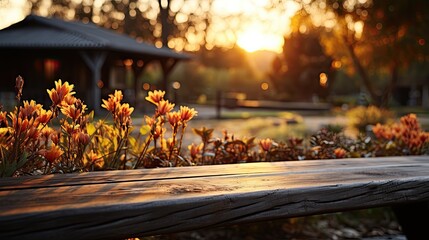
x=144, y=129
x=132, y=141
x=90, y=128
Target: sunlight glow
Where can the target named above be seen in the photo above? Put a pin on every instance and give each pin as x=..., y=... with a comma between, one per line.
x=11, y=12
x=256, y=26
x=252, y=40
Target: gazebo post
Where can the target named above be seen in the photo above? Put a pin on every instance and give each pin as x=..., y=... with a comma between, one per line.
x=167, y=65
x=425, y=96
x=95, y=63
x=137, y=71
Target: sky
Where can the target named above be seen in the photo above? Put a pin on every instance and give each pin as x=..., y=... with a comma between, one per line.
x=261, y=29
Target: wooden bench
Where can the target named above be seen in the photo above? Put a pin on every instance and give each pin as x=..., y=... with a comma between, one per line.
x=122, y=204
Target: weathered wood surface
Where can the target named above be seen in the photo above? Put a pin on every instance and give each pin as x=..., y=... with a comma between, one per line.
x=120, y=204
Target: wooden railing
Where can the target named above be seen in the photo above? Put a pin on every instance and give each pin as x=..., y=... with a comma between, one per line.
x=122, y=204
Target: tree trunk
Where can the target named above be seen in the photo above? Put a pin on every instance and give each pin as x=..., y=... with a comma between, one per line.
x=362, y=72
x=425, y=96
x=164, y=14
x=393, y=81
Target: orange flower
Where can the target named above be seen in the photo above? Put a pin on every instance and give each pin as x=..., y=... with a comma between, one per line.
x=33, y=133
x=149, y=121
x=158, y=131
x=424, y=137
x=118, y=96
x=397, y=130
x=124, y=114
x=44, y=116
x=46, y=132
x=266, y=144
x=55, y=137
x=113, y=102
x=22, y=125
x=195, y=149
x=70, y=128
x=173, y=118
x=72, y=112
x=81, y=138
x=383, y=132
x=60, y=91
x=3, y=119
x=164, y=106
x=52, y=154
x=69, y=100
x=96, y=159
x=187, y=113
x=410, y=121
x=340, y=152
x=155, y=97
x=30, y=109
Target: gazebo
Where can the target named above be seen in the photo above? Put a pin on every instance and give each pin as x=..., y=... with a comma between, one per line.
x=43, y=50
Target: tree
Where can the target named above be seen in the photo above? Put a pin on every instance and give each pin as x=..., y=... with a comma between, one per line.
x=380, y=38
x=177, y=24
x=303, y=70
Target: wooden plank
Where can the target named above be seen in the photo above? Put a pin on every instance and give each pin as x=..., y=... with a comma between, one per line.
x=287, y=167
x=189, y=200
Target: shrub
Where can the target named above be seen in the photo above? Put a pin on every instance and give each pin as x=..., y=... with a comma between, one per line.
x=403, y=138
x=360, y=117
x=65, y=138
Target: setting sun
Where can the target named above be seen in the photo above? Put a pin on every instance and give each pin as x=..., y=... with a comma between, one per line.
x=253, y=40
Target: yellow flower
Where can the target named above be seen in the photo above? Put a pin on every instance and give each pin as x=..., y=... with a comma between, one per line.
x=155, y=97
x=164, y=106
x=187, y=113
x=266, y=144
x=60, y=91
x=52, y=154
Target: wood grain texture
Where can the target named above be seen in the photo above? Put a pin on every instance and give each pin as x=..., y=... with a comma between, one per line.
x=120, y=204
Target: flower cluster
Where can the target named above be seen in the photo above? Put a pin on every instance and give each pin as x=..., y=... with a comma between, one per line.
x=165, y=151
x=405, y=137
x=28, y=138
x=121, y=111
x=360, y=117
x=64, y=138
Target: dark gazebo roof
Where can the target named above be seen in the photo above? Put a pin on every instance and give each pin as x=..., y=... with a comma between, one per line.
x=52, y=33
x=40, y=36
